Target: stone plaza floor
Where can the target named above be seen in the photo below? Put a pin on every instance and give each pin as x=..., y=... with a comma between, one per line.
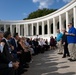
x=50, y=63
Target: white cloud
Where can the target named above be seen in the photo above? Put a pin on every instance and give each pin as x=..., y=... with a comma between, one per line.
x=43, y=3
x=25, y=14
x=47, y=3
x=66, y=1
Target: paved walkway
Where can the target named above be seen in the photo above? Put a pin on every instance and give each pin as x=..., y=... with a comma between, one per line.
x=50, y=63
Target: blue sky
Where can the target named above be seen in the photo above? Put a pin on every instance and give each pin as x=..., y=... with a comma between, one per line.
x=19, y=9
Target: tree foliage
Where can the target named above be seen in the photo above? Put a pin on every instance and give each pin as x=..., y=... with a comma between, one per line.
x=40, y=13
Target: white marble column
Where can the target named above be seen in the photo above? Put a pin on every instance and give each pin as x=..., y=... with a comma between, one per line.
x=60, y=23
x=22, y=30
x=18, y=29
x=54, y=26
x=37, y=32
x=42, y=27
x=32, y=29
x=5, y=28
x=11, y=29
x=67, y=20
x=74, y=15
x=25, y=30
x=48, y=26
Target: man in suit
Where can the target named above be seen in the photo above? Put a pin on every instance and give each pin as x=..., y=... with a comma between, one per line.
x=65, y=44
x=16, y=53
x=7, y=63
x=13, y=42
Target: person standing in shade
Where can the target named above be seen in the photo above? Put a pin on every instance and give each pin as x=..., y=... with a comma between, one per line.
x=71, y=37
x=65, y=44
x=59, y=39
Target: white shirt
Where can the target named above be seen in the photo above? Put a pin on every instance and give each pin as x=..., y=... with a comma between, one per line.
x=1, y=48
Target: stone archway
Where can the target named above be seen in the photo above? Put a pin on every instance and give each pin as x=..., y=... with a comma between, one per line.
x=51, y=28
x=34, y=30
x=57, y=25
x=22, y=30
x=14, y=30
x=40, y=30
x=8, y=29
x=45, y=29
x=65, y=24
x=2, y=28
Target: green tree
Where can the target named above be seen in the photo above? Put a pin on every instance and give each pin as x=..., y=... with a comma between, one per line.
x=39, y=13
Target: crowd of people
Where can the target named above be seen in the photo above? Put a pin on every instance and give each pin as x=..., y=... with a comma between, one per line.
x=67, y=40
x=16, y=52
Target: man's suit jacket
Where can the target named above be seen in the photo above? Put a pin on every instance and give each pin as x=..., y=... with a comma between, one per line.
x=3, y=61
x=64, y=38
x=13, y=43
x=5, y=56
x=6, y=51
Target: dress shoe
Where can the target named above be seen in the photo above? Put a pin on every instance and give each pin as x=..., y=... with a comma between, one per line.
x=71, y=59
x=64, y=57
x=26, y=66
x=22, y=71
x=25, y=70
x=68, y=55
x=60, y=53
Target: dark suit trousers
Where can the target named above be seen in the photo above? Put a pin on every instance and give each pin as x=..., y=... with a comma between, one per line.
x=8, y=71
x=66, y=52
